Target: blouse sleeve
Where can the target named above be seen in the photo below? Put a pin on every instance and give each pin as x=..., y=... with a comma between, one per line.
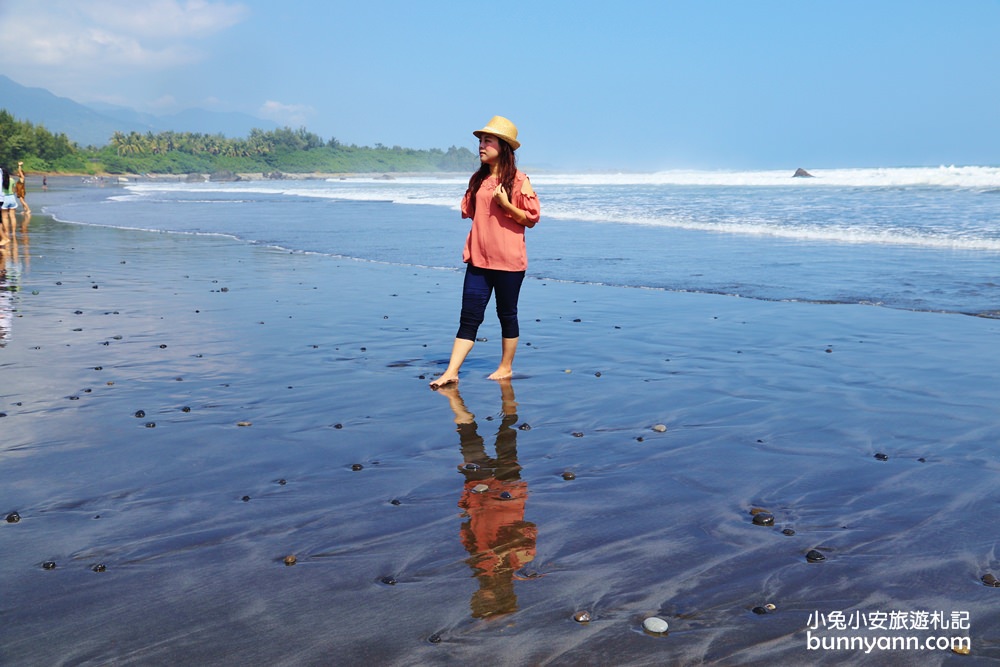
x=467, y=204
x=526, y=200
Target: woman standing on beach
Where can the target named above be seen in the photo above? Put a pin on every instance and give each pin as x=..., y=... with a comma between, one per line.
x=7, y=218
x=502, y=205
x=19, y=188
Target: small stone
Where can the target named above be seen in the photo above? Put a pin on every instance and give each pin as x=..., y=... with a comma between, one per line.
x=505, y=495
x=150, y=424
x=922, y=460
x=759, y=611
x=655, y=625
x=395, y=501
x=660, y=428
x=100, y=567
x=163, y=346
x=290, y=560
x=582, y=617
x=245, y=499
x=567, y=371
x=770, y=607
x=244, y=423
x=356, y=467
x=470, y=467
x=990, y=580
x=763, y=519
x=480, y=488
x=49, y=565
x=788, y=531
x=282, y=482
x=961, y=650
x=13, y=517
x=139, y=414
x=524, y=427
x=435, y=638
x=640, y=439
x=881, y=457
x=814, y=556
x=338, y=426
x=186, y=409
x=597, y=374
x=389, y=581
x=577, y=434
x=568, y=475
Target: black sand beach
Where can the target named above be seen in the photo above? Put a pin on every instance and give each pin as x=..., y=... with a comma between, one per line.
x=188, y=411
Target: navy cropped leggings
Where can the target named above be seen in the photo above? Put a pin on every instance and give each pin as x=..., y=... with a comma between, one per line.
x=479, y=284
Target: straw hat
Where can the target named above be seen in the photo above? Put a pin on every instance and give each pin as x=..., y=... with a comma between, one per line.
x=503, y=128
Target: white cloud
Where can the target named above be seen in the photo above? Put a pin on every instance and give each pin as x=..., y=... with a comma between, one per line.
x=293, y=115
x=68, y=45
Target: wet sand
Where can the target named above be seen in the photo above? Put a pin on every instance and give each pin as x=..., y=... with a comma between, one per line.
x=188, y=411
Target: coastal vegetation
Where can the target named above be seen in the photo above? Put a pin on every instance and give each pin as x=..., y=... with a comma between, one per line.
x=267, y=152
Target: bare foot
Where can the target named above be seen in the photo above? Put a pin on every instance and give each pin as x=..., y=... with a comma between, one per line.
x=501, y=374
x=444, y=380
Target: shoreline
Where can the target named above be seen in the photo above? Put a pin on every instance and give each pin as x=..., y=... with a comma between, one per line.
x=771, y=405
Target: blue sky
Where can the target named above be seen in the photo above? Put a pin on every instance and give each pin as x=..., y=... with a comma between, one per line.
x=591, y=85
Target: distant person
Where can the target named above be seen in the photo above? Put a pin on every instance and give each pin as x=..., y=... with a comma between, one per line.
x=502, y=205
x=45, y=183
x=19, y=188
x=4, y=240
x=7, y=217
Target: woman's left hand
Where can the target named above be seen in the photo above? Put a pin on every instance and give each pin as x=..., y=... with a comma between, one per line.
x=501, y=197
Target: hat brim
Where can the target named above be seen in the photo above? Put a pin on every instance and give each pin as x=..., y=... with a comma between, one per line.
x=514, y=143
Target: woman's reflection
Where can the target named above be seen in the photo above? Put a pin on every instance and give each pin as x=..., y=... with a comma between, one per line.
x=495, y=534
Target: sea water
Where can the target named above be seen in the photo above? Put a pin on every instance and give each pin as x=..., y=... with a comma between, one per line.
x=911, y=238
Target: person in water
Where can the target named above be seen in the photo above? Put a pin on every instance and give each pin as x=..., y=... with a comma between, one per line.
x=502, y=204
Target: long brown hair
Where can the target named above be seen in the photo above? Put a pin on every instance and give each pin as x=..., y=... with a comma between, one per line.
x=506, y=170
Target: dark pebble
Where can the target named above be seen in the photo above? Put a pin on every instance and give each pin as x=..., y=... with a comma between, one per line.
x=13, y=517
x=389, y=581
x=990, y=580
x=759, y=610
x=3, y=414
x=282, y=482
x=139, y=414
x=185, y=409
x=597, y=374
x=356, y=467
x=788, y=531
x=577, y=434
x=100, y=567
x=922, y=460
x=150, y=424
x=246, y=499
x=435, y=638
x=49, y=565
x=78, y=312
x=814, y=556
x=395, y=501
x=640, y=439
x=578, y=320
x=338, y=426
x=881, y=457
x=505, y=495
x=163, y=346
x=470, y=466
x=524, y=427
x=98, y=368
x=568, y=475
x=763, y=519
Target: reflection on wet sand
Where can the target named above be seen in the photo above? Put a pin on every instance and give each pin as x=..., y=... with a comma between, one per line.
x=495, y=534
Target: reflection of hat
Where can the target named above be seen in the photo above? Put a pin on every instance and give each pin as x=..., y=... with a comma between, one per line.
x=503, y=128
